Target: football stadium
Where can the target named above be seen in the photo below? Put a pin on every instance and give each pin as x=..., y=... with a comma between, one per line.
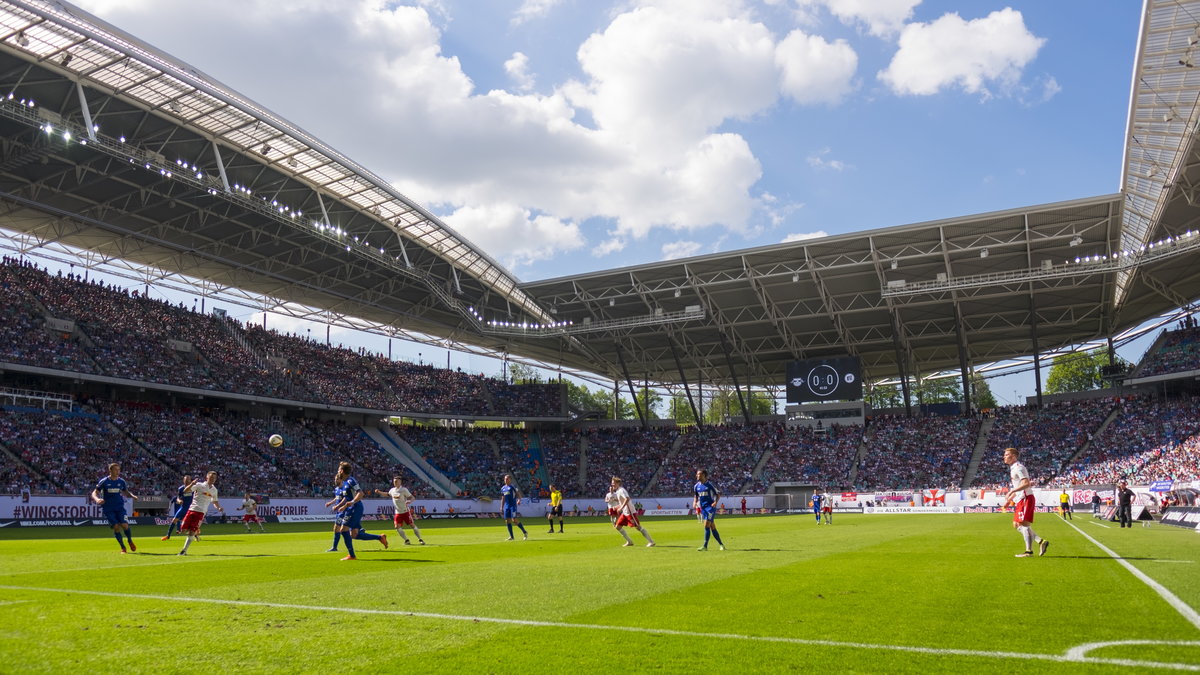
x=283, y=503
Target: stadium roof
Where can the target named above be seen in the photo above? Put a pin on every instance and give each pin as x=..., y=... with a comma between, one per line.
x=112, y=148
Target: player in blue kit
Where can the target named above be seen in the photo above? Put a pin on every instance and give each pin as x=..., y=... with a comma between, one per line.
x=339, y=496
x=817, y=498
x=351, y=510
x=110, y=493
x=510, y=498
x=182, y=501
x=705, y=504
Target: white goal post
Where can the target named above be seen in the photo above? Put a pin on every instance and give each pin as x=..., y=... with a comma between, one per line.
x=777, y=502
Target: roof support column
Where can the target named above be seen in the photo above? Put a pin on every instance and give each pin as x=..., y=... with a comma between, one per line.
x=733, y=374
x=901, y=364
x=683, y=378
x=1037, y=357
x=221, y=170
x=962, y=364
x=632, y=391
x=87, y=113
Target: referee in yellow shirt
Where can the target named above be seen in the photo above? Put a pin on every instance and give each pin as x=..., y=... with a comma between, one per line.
x=1064, y=505
x=555, y=509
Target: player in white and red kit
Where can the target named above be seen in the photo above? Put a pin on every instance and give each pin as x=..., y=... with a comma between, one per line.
x=251, y=508
x=402, y=499
x=626, y=514
x=204, y=494
x=1024, y=504
x=611, y=500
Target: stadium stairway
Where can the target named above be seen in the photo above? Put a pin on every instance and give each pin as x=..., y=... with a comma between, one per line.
x=1149, y=354
x=402, y=452
x=583, y=463
x=858, y=459
x=649, y=486
x=981, y=442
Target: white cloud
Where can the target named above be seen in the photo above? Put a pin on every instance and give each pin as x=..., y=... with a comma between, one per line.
x=680, y=249
x=813, y=70
x=971, y=55
x=881, y=18
x=820, y=160
x=636, y=142
x=804, y=236
x=514, y=235
x=533, y=9
x=517, y=68
x=608, y=246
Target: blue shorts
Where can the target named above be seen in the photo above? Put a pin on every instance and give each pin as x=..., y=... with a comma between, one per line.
x=352, y=517
x=510, y=512
x=708, y=513
x=116, y=516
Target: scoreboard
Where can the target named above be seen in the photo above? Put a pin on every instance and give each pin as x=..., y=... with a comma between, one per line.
x=832, y=379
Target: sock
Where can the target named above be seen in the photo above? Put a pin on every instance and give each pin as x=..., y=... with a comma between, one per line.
x=118, y=536
x=187, y=543
x=417, y=532
x=1027, y=535
x=522, y=528
x=625, y=534
x=401, y=533
x=645, y=534
x=337, y=536
x=170, y=528
x=129, y=534
x=707, y=534
x=1034, y=535
x=367, y=537
x=717, y=536
x=349, y=543
x=509, y=530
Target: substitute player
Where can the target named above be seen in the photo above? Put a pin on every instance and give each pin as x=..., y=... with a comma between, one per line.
x=1021, y=497
x=251, y=516
x=110, y=493
x=182, y=502
x=352, y=509
x=510, y=499
x=204, y=494
x=556, y=509
x=402, y=499
x=626, y=515
x=705, y=503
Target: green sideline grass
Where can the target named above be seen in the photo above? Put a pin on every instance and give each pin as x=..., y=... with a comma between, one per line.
x=787, y=596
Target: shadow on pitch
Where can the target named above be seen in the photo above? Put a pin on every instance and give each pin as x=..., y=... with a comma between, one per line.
x=397, y=560
x=1096, y=557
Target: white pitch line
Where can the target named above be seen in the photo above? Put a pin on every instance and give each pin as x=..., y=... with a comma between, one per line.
x=171, y=560
x=1101, y=525
x=1180, y=606
x=1076, y=655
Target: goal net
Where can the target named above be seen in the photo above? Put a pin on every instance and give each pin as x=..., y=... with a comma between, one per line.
x=777, y=502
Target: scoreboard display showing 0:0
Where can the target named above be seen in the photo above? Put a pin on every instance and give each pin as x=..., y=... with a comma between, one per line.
x=831, y=379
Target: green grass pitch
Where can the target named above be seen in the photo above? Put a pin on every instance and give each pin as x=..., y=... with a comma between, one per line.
x=877, y=594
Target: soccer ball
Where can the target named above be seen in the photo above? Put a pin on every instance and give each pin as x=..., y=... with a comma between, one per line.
x=275, y=440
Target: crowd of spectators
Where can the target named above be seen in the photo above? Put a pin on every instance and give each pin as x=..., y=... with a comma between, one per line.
x=469, y=459
x=917, y=452
x=804, y=455
x=72, y=451
x=1149, y=436
x=1180, y=352
x=729, y=454
x=1047, y=437
x=124, y=333
x=631, y=453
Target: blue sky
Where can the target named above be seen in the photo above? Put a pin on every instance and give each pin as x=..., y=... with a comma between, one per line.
x=572, y=135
